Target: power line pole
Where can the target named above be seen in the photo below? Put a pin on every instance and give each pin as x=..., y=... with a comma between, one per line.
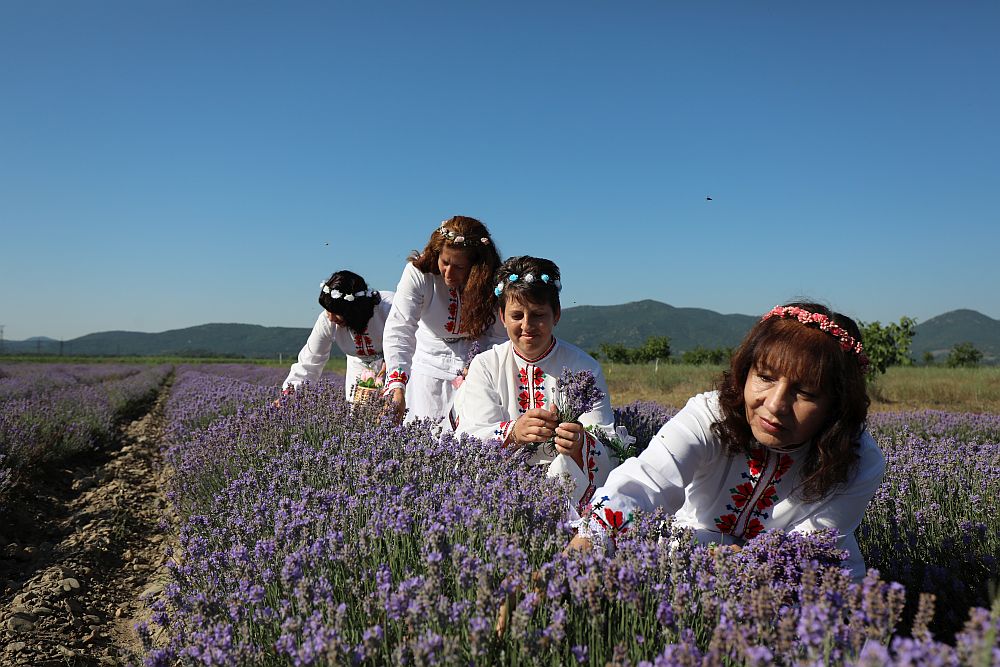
x=1, y=339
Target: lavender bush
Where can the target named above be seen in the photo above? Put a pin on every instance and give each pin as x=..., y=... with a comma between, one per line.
x=314, y=533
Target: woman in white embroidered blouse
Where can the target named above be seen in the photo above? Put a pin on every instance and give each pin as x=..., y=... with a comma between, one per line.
x=781, y=445
x=443, y=303
x=354, y=318
x=510, y=393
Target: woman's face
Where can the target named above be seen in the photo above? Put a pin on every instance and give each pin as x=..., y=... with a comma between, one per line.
x=336, y=319
x=454, y=265
x=783, y=412
x=529, y=326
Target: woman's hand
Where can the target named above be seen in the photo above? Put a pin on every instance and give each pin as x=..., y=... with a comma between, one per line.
x=397, y=404
x=569, y=441
x=535, y=425
x=579, y=543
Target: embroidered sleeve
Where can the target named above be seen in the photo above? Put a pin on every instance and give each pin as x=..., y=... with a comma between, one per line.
x=399, y=340
x=504, y=431
x=602, y=524
x=395, y=380
x=314, y=354
x=478, y=404
x=659, y=476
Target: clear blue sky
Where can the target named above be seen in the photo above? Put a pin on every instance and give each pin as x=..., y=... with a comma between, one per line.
x=171, y=163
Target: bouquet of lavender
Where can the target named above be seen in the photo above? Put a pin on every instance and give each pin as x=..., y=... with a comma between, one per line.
x=576, y=394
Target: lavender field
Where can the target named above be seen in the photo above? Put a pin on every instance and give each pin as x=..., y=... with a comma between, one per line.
x=52, y=412
x=316, y=534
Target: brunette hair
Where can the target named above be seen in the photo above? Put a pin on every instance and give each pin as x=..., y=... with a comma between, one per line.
x=524, y=288
x=816, y=359
x=357, y=312
x=478, y=311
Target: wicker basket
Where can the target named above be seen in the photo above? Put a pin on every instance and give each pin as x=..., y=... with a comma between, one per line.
x=366, y=394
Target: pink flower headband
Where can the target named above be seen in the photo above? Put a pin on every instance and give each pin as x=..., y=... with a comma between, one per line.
x=458, y=239
x=825, y=324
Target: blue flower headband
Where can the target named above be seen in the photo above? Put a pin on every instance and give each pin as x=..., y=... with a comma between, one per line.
x=528, y=278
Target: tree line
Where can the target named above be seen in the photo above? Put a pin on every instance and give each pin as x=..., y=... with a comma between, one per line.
x=886, y=345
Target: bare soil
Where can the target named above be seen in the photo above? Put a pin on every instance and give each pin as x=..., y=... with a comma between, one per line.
x=82, y=554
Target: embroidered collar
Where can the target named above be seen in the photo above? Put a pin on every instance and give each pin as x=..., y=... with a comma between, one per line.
x=544, y=354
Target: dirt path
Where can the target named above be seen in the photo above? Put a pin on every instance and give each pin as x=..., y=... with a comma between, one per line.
x=82, y=553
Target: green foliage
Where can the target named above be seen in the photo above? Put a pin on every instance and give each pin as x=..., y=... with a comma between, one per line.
x=655, y=348
x=928, y=358
x=964, y=355
x=701, y=356
x=616, y=353
x=888, y=345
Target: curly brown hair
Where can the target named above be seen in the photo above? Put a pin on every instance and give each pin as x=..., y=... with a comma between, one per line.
x=814, y=358
x=478, y=300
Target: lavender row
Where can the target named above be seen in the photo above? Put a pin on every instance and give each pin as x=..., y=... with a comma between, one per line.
x=203, y=393
x=314, y=534
x=934, y=524
x=50, y=418
x=23, y=380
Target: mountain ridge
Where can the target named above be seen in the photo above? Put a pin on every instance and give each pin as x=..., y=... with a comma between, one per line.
x=585, y=326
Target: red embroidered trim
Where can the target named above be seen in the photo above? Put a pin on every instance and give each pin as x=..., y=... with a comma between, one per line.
x=454, y=305
x=397, y=375
x=364, y=344
x=742, y=510
x=530, y=395
x=539, y=357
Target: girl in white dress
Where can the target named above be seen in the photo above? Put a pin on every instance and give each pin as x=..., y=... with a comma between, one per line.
x=443, y=303
x=354, y=318
x=511, y=392
x=781, y=445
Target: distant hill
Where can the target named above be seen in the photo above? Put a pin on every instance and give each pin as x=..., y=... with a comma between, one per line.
x=632, y=323
x=237, y=340
x=939, y=334
x=586, y=326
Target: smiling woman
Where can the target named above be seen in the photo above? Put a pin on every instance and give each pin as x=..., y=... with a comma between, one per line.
x=442, y=305
x=781, y=445
x=513, y=392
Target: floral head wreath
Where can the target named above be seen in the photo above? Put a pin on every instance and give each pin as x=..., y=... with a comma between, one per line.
x=457, y=239
x=847, y=342
x=528, y=278
x=337, y=294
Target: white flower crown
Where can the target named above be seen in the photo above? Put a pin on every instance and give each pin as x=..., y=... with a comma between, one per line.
x=337, y=294
x=458, y=239
x=528, y=278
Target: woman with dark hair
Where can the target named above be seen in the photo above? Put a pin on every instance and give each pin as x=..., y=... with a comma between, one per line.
x=443, y=303
x=781, y=445
x=354, y=318
x=511, y=392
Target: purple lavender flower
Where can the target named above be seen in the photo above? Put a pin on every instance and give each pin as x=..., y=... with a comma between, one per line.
x=578, y=394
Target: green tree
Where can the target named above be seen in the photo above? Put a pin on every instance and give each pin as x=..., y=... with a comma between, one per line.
x=888, y=345
x=964, y=355
x=703, y=355
x=655, y=347
x=616, y=353
x=928, y=358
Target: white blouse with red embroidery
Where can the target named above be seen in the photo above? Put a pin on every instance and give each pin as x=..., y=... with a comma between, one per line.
x=424, y=333
x=502, y=385
x=729, y=499
x=363, y=350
